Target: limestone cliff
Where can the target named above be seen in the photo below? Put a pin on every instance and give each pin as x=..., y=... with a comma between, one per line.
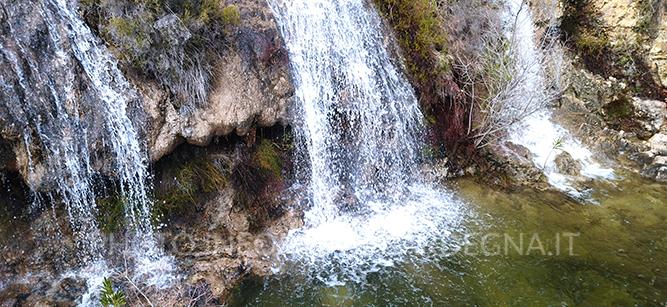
x=196, y=72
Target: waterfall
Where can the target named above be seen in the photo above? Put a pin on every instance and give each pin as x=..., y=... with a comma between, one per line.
x=58, y=113
x=358, y=127
x=538, y=132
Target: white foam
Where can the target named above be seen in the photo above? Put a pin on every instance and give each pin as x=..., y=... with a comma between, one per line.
x=538, y=132
x=358, y=128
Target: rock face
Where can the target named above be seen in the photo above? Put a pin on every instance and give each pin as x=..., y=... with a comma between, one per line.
x=250, y=87
x=658, y=52
x=626, y=20
x=221, y=248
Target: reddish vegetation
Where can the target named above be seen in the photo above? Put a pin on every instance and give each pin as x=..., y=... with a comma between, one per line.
x=449, y=114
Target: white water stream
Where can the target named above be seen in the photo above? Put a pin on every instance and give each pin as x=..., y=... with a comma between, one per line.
x=51, y=112
x=358, y=129
x=538, y=132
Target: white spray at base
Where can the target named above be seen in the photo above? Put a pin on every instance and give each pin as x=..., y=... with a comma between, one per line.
x=358, y=128
x=544, y=138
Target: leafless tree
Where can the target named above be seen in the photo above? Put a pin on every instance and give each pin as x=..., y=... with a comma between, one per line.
x=502, y=84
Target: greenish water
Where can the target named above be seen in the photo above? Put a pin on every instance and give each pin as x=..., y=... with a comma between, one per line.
x=609, y=254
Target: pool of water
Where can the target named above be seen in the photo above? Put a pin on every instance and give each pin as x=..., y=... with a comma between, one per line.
x=523, y=248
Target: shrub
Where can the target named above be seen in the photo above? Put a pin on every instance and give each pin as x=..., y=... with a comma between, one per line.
x=187, y=179
x=231, y=15
x=257, y=178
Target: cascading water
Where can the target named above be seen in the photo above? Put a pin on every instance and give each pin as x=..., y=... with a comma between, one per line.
x=538, y=132
x=358, y=127
x=46, y=99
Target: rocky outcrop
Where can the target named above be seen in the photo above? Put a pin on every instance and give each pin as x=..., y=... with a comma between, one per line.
x=658, y=51
x=567, y=165
x=651, y=114
x=250, y=86
x=642, y=23
x=221, y=247
x=247, y=83
x=513, y=166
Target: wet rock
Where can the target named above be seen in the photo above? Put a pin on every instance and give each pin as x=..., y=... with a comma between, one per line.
x=658, y=144
x=346, y=199
x=217, y=247
x=651, y=114
x=516, y=162
x=567, y=165
x=657, y=170
x=68, y=291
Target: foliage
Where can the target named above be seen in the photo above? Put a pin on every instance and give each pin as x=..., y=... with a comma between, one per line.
x=110, y=297
x=231, y=15
x=182, y=66
x=268, y=158
x=417, y=25
x=111, y=213
x=556, y=146
x=256, y=178
x=188, y=180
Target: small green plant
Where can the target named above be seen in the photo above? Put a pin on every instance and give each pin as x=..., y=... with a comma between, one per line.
x=231, y=15
x=111, y=213
x=557, y=145
x=268, y=157
x=110, y=297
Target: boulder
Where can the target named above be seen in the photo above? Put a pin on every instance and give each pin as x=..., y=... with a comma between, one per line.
x=516, y=162
x=657, y=170
x=567, y=165
x=651, y=114
x=658, y=144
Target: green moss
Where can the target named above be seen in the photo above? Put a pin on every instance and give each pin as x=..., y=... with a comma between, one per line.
x=592, y=43
x=111, y=213
x=190, y=179
x=583, y=27
x=124, y=26
x=231, y=15
x=417, y=25
x=268, y=158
